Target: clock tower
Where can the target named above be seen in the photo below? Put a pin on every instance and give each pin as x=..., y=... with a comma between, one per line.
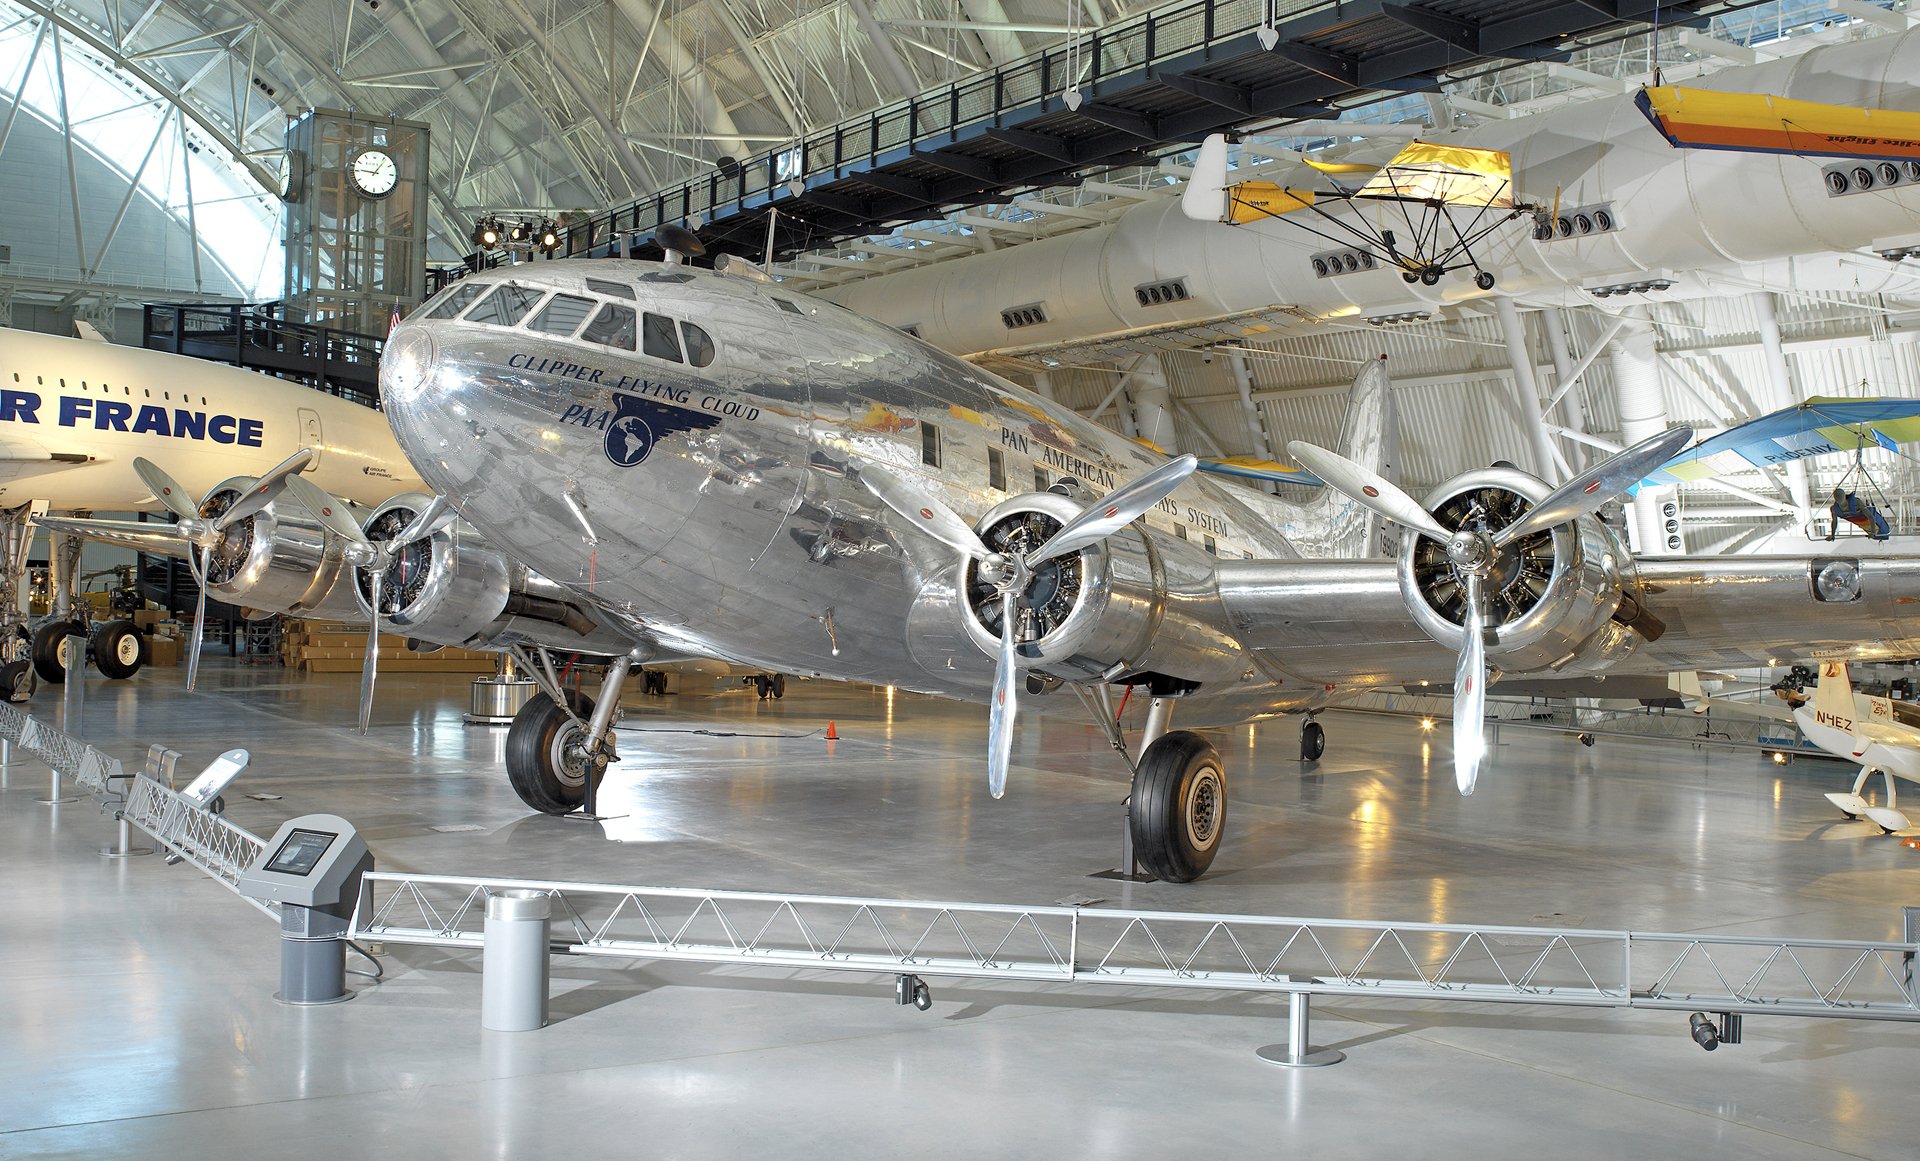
x=356, y=221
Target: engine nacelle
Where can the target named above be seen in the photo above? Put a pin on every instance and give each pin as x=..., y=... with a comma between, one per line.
x=453, y=588
x=1130, y=606
x=1552, y=601
x=279, y=561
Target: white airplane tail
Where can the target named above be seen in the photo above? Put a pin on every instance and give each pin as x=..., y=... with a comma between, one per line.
x=1834, y=694
x=1330, y=524
x=1205, y=198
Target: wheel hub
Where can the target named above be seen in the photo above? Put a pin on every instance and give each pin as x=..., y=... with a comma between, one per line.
x=1203, y=809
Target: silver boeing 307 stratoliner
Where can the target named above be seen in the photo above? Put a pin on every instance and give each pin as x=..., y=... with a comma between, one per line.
x=706, y=463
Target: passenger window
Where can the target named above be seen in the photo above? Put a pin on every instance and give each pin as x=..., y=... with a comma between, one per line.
x=657, y=338
x=699, y=346
x=783, y=304
x=612, y=327
x=929, y=445
x=456, y=300
x=1211, y=547
x=1040, y=482
x=1180, y=530
x=610, y=289
x=562, y=315
x=996, y=469
x=504, y=307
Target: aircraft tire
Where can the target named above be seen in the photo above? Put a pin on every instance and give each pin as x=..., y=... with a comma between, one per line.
x=45, y=650
x=762, y=686
x=779, y=685
x=1179, y=807
x=119, y=649
x=536, y=745
x=1313, y=742
x=16, y=681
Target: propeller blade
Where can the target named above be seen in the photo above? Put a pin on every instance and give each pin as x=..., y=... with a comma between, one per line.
x=166, y=488
x=1600, y=483
x=266, y=490
x=199, y=624
x=1470, y=692
x=1366, y=489
x=431, y=519
x=331, y=512
x=368, y=671
x=1005, y=702
x=924, y=511
x=1116, y=510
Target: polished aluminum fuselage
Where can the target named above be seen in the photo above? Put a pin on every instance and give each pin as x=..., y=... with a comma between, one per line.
x=739, y=530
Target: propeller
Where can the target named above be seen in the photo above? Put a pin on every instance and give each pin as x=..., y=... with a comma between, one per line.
x=1474, y=553
x=376, y=556
x=266, y=490
x=1011, y=572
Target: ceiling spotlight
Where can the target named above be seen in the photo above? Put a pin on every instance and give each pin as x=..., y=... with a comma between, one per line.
x=549, y=237
x=517, y=232
x=486, y=233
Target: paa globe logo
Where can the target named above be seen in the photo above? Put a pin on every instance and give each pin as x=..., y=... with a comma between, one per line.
x=638, y=424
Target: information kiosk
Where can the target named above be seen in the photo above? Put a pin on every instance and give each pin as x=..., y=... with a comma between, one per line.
x=312, y=868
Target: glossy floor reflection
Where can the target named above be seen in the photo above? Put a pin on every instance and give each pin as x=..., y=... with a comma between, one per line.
x=138, y=1018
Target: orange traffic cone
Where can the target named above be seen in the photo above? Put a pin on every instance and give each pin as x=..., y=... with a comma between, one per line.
x=833, y=735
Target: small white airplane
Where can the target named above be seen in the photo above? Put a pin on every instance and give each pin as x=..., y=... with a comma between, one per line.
x=76, y=415
x=1881, y=734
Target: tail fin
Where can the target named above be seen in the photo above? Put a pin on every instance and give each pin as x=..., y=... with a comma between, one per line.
x=1686, y=683
x=1834, y=694
x=1205, y=198
x=1330, y=524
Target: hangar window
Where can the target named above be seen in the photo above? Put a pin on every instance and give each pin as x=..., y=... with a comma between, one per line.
x=456, y=300
x=699, y=345
x=996, y=469
x=929, y=445
x=610, y=289
x=562, y=315
x=612, y=327
x=507, y=305
x=657, y=338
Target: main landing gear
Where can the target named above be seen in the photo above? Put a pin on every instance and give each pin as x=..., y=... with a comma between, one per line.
x=118, y=648
x=1177, y=808
x=561, y=742
x=1887, y=818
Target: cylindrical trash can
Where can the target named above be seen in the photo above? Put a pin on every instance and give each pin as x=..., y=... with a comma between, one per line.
x=513, y=984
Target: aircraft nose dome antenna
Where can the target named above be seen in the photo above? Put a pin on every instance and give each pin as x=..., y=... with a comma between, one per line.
x=679, y=243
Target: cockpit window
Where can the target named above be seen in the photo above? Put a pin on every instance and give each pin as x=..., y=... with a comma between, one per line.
x=699, y=345
x=657, y=338
x=562, y=315
x=612, y=327
x=610, y=289
x=505, y=306
x=456, y=299
x=789, y=307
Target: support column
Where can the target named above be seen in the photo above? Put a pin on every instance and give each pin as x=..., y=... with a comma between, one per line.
x=1643, y=413
x=1572, y=411
x=1527, y=389
x=1256, y=425
x=1153, y=405
x=1780, y=379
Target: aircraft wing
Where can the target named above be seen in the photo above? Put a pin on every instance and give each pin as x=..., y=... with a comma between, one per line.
x=1346, y=622
x=154, y=537
x=1687, y=685
x=1819, y=426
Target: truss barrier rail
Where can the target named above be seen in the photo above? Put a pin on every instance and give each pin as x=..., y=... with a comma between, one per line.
x=1561, y=717
x=216, y=846
x=69, y=756
x=1758, y=975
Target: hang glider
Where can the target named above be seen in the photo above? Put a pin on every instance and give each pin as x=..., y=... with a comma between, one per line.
x=1820, y=426
x=1431, y=204
x=1255, y=468
x=1763, y=123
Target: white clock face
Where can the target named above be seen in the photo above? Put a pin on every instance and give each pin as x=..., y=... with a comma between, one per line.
x=374, y=173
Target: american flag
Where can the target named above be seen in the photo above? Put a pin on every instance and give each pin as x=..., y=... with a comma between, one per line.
x=394, y=319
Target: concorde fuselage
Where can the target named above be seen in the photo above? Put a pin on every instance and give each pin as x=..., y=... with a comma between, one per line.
x=75, y=413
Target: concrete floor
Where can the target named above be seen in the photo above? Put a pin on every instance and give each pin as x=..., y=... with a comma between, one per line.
x=138, y=1018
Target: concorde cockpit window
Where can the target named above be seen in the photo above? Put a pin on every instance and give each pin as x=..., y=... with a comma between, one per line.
x=612, y=327
x=699, y=345
x=562, y=315
x=456, y=299
x=657, y=338
x=505, y=306
x=610, y=289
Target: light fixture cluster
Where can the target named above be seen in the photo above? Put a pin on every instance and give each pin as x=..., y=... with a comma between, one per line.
x=1640, y=286
x=493, y=233
x=1405, y=316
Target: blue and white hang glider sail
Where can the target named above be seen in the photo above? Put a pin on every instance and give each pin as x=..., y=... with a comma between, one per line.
x=1817, y=427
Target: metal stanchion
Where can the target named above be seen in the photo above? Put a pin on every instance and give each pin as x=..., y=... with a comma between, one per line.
x=73, y=696
x=1297, y=1052
x=123, y=847
x=6, y=764
x=513, y=976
